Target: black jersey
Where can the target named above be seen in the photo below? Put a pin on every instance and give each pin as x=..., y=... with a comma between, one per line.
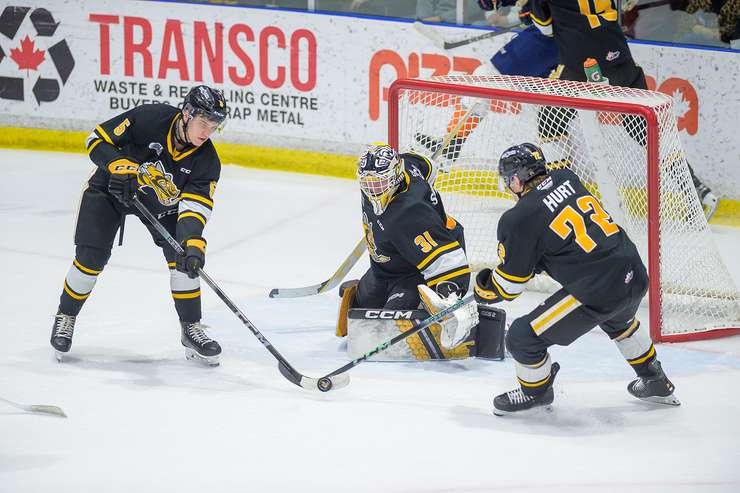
x=145, y=135
x=583, y=29
x=560, y=228
x=414, y=234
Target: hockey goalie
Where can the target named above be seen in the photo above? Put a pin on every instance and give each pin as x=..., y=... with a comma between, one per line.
x=418, y=267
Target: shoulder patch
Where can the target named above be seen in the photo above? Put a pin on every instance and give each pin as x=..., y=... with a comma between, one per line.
x=501, y=252
x=212, y=189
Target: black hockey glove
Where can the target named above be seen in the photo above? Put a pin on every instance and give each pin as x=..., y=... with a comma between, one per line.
x=194, y=258
x=484, y=290
x=123, y=180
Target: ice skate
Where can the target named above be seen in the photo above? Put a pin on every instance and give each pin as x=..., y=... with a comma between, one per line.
x=709, y=201
x=61, y=334
x=516, y=400
x=655, y=387
x=198, y=346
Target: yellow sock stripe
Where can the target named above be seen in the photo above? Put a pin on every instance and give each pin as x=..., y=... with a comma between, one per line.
x=437, y=280
x=197, y=216
x=534, y=384
x=84, y=269
x=186, y=295
x=171, y=265
x=436, y=253
x=642, y=359
x=197, y=198
x=79, y=297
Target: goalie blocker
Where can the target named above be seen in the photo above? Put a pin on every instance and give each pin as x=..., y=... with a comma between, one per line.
x=366, y=328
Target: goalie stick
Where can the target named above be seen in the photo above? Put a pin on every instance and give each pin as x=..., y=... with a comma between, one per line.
x=285, y=368
x=435, y=37
x=327, y=285
x=359, y=249
x=37, y=408
x=326, y=380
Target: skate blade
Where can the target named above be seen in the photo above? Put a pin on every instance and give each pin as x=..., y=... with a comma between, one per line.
x=670, y=400
x=547, y=408
x=193, y=355
x=59, y=356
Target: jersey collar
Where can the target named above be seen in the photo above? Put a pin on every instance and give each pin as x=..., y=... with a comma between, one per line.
x=177, y=155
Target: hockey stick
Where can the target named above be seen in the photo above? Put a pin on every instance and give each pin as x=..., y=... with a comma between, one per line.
x=327, y=285
x=285, y=368
x=390, y=342
x=37, y=408
x=433, y=35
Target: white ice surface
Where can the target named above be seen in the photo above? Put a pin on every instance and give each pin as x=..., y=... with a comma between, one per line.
x=143, y=419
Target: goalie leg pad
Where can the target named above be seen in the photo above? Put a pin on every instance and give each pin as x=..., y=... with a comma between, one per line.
x=489, y=336
x=348, y=291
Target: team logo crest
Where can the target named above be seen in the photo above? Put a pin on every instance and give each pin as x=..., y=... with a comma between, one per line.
x=501, y=252
x=154, y=176
x=370, y=240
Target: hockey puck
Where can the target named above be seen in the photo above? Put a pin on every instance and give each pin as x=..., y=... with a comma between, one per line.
x=324, y=384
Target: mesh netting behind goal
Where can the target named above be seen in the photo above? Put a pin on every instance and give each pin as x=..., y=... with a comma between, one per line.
x=623, y=144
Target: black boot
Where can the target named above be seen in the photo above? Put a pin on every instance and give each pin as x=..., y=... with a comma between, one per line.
x=198, y=345
x=516, y=400
x=61, y=333
x=654, y=387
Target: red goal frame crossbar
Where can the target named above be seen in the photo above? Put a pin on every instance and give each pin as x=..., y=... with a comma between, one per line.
x=653, y=175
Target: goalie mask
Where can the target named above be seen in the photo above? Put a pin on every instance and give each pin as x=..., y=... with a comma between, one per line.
x=380, y=171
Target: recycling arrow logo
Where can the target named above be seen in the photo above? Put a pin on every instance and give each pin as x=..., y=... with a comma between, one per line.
x=28, y=55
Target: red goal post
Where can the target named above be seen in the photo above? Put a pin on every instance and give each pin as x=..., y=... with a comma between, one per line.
x=621, y=141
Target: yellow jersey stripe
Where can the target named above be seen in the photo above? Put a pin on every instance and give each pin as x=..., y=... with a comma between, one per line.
x=86, y=270
x=502, y=291
x=436, y=253
x=546, y=22
x=192, y=214
x=438, y=280
x=197, y=198
x=171, y=265
x=102, y=133
x=513, y=278
x=176, y=155
x=94, y=145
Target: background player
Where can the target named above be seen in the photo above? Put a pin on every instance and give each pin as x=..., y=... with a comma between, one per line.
x=163, y=156
x=558, y=227
x=410, y=238
x=583, y=33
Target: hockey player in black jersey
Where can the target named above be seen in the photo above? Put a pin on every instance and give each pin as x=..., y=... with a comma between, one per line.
x=559, y=228
x=590, y=29
x=161, y=155
x=411, y=242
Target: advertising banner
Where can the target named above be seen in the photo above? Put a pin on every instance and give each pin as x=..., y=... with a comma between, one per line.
x=303, y=81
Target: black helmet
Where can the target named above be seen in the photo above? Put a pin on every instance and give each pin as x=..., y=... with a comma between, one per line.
x=205, y=101
x=525, y=161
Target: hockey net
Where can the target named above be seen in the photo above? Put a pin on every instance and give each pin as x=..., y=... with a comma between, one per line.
x=624, y=145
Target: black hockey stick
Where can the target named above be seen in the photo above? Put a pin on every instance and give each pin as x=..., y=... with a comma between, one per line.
x=285, y=368
x=435, y=37
x=37, y=408
x=326, y=381
x=327, y=285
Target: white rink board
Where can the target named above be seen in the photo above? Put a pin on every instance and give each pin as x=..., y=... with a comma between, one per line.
x=327, y=74
x=141, y=418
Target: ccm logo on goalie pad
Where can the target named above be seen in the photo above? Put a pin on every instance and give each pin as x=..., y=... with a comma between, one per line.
x=389, y=314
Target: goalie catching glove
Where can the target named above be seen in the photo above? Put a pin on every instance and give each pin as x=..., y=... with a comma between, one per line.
x=194, y=258
x=456, y=326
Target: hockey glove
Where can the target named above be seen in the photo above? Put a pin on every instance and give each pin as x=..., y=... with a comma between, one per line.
x=194, y=258
x=484, y=290
x=123, y=180
x=455, y=327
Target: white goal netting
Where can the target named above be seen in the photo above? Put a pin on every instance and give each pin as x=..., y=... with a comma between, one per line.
x=624, y=145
